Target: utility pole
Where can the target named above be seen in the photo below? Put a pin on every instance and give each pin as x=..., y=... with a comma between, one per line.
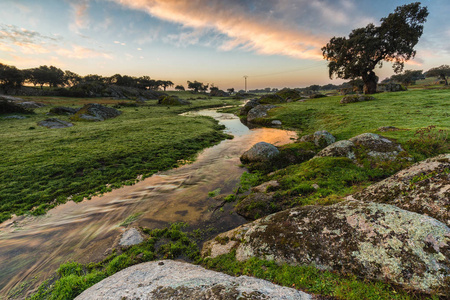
x=245, y=76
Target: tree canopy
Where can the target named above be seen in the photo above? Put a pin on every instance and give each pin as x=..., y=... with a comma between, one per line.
x=442, y=72
x=407, y=77
x=366, y=48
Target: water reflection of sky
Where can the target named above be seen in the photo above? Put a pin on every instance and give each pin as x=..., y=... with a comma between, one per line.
x=232, y=123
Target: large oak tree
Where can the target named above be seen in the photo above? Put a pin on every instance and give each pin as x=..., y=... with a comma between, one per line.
x=366, y=48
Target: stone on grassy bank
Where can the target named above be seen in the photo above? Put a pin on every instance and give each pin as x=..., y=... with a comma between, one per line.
x=178, y=280
x=260, y=111
x=367, y=145
x=62, y=110
x=423, y=188
x=252, y=103
x=260, y=152
x=320, y=138
x=54, y=123
x=356, y=98
x=370, y=240
x=95, y=112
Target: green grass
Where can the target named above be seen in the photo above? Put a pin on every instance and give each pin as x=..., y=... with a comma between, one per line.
x=408, y=110
x=43, y=167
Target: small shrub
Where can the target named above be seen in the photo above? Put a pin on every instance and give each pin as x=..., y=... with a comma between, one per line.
x=429, y=141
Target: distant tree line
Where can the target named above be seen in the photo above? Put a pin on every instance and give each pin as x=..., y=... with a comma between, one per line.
x=14, y=78
x=409, y=77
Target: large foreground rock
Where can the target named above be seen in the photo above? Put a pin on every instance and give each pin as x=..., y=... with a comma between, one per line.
x=95, y=112
x=260, y=111
x=260, y=152
x=423, y=188
x=177, y=280
x=370, y=240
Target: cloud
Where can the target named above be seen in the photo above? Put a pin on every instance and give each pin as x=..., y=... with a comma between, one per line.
x=14, y=34
x=245, y=27
x=79, y=52
x=80, y=14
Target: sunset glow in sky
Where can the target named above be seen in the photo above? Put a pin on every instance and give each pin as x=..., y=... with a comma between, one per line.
x=275, y=42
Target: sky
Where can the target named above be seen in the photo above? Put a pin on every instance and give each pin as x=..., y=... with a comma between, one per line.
x=276, y=43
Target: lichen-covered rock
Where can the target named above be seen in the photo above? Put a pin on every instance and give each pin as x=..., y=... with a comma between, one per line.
x=179, y=281
x=367, y=145
x=252, y=103
x=370, y=240
x=320, y=138
x=95, y=112
x=339, y=149
x=377, y=146
x=356, y=98
x=54, y=123
x=423, y=188
x=62, y=110
x=131, y=237
x=260, y=152
x=258, y=112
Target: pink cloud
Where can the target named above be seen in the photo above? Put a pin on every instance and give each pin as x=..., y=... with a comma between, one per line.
x=245, y=30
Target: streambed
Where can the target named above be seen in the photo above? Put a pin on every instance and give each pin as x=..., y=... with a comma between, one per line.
x=32, y=248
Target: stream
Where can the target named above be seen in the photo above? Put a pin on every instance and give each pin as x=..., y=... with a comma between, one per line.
x=32, y=248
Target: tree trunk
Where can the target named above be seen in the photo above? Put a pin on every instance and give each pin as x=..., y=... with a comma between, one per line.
x=444, y=78
x=370, y=82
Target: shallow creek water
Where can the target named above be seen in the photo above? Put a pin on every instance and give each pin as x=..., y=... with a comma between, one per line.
x=32, y=248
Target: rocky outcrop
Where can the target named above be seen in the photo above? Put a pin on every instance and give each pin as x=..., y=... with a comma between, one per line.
x=10, y=104
x=423, y=188
x=62, y=110
x=377, y=146
x=178, y=280
x=252, y=103
x=260, y=152
x=370, y=145
x=356, y=98
x=371, y=240
x=260, y=111
x=54, y=123
x=95, y=112
x=320, y=138
x=131, y=237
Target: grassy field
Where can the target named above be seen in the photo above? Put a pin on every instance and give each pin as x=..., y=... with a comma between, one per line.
x=42, y=167
x=408, y=111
